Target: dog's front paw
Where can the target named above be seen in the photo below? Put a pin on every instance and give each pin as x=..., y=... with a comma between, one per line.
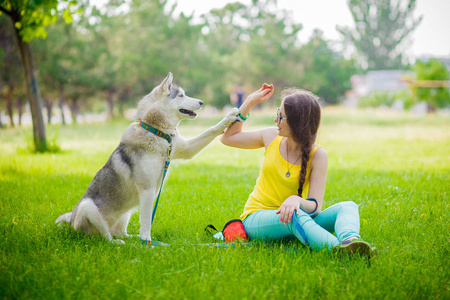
x=233, y=112
x=231, y=117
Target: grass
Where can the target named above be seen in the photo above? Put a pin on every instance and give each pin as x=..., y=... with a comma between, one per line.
x=395, y=166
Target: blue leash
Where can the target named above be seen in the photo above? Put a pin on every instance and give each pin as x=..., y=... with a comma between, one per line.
x=166, y=164
x=166, y=167
x=297, y=224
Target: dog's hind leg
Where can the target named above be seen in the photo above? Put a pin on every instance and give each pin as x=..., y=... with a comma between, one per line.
x=120, y=228
x=88, y=218
x=64, y=219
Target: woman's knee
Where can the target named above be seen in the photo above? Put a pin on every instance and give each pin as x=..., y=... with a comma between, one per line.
x=348, y=204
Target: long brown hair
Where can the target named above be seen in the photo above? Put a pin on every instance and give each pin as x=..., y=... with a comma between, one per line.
x=303, y=114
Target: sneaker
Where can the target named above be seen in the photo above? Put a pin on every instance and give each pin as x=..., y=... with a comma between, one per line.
x=354, y=246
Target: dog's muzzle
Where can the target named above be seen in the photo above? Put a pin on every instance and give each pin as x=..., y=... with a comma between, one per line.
x=190, y=113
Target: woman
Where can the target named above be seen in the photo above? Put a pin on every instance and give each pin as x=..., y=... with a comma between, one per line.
x=288, y=197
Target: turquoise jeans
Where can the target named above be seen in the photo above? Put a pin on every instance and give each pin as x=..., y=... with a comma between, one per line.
x=341, y=218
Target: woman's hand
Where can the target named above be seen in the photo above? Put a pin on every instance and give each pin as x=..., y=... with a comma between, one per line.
x=235, y=137
x=261, y=95
x=288, y=207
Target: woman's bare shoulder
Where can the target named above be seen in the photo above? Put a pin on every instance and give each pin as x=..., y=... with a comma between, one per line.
x=320, y=157
x=269, y=134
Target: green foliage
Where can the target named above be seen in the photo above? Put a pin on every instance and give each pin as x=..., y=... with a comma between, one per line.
x=405, y=97
x=115, y=53
x=325, y=71
x=32, y=17
x=387, y=99
x=381, y=29
x=120, y=51
x=432, y=70
x=266, y=49
x=394, y=166
x=376, y=99
x=10, y=64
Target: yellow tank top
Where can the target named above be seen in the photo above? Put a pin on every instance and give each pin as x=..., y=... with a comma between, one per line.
x=272, y=186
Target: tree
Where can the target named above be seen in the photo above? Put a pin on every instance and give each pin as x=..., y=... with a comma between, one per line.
x=30, y=19
x=381, y=29
x=55, y=57
x=145, y=43
x=252, y=44
x=270, y=54
x=325, y=71
x=433, y=70
x=10, y=68
x=259, y=43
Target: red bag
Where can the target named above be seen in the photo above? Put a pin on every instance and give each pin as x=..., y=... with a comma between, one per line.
x=232, y=231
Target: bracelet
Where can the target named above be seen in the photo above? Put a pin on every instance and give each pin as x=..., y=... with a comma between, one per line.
x=317, y=205
x=241, y=118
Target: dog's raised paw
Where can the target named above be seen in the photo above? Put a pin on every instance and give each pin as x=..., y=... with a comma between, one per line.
x=231, y=117
x=234, y=112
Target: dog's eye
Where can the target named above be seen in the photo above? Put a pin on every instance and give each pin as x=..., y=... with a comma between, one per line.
x=181, y=95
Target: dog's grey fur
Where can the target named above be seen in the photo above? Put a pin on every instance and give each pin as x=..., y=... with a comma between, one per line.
x=133, y=173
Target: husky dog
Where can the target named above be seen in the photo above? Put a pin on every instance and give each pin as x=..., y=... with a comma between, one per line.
x=133, y=173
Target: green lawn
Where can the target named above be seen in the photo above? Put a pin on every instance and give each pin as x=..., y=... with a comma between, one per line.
x=395, y=166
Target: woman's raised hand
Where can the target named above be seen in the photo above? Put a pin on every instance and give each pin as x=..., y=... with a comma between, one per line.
x=261, y=95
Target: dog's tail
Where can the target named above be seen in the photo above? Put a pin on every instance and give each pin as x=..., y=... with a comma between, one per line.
x=64, y=219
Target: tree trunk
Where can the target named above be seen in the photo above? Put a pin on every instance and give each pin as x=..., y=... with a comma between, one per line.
x=49, y=106
x=123, y=96
x=33, y=93
x=110, y=102
x=20, y=109
x=61, y=103
x=9, y=104
x=74, y=110
x=1, y=124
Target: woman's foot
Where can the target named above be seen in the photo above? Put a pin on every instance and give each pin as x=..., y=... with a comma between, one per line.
x=353, y=245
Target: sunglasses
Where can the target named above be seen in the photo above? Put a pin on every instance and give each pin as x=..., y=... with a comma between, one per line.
x=279, y=117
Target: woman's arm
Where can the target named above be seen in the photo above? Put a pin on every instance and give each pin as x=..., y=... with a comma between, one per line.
x=317, y=180
x=235, y=137
x=317, y=183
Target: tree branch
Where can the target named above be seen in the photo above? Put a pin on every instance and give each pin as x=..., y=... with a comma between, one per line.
x=8, y=12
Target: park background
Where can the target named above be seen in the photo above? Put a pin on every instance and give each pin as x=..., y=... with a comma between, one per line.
x=385, y=126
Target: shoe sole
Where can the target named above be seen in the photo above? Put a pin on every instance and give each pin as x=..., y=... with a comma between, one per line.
x=354, y=248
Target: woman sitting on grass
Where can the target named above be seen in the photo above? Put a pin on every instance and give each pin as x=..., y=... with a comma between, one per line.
x=288, y=197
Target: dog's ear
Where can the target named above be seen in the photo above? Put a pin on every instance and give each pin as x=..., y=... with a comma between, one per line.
x=164, y=87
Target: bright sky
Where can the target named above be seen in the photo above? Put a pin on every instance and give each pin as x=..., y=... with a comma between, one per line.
x=432, y=36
